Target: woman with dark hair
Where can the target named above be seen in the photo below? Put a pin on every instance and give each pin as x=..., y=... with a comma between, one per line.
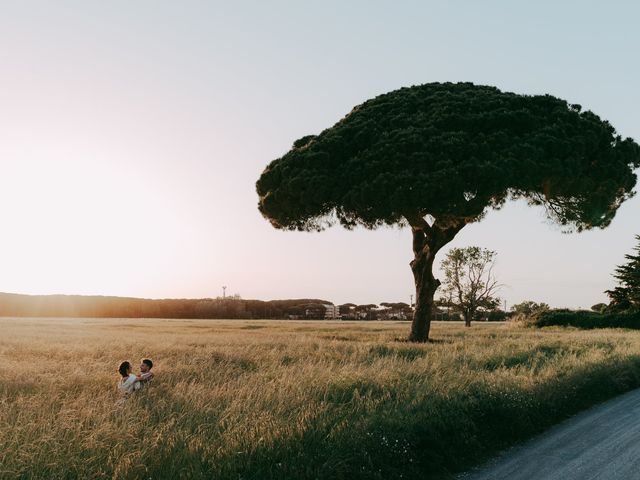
x=129, y=382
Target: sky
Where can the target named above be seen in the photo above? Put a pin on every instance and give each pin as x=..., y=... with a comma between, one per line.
x=132, y=135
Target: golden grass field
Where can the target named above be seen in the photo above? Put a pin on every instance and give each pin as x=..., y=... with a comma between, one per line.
x=287, y=399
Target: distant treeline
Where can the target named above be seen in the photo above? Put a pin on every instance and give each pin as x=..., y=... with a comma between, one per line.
x=16, y=305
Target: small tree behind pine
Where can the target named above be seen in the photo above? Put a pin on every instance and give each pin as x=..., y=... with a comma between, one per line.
x=469, y=283
x=626, y=296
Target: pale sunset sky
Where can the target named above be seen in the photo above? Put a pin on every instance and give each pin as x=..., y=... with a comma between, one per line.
x=132, y=134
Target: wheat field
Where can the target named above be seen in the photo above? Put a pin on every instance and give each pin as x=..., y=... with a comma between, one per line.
x=288, y=399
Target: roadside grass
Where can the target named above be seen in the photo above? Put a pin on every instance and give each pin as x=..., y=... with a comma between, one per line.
x=290, y=400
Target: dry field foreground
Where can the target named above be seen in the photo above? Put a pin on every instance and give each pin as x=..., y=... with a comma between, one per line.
x=267, y=399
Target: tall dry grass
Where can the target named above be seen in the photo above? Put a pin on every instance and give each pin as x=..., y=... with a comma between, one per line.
x=255, y=400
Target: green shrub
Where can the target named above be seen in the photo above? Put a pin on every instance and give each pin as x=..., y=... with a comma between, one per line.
x=586, y=319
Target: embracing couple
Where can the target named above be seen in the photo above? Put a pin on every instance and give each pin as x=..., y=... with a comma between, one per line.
x=130, y=382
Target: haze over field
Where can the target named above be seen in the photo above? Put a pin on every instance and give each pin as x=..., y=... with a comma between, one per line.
x=132, y=134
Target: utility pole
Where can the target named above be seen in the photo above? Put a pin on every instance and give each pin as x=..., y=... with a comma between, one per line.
x=224, y=292
x=411, y=300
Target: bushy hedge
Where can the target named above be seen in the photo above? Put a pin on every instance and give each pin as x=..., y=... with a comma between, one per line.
x=586, y=319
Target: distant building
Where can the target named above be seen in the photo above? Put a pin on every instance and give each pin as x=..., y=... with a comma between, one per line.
x=332, y=312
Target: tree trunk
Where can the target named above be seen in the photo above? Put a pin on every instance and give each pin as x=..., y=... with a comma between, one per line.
x=427, y=241
x=467, y=319
x=426, y=286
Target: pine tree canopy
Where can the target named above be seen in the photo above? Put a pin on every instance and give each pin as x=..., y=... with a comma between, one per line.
x=451, y=151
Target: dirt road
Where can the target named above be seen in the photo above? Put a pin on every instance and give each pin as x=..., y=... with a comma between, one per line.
x=600, y=443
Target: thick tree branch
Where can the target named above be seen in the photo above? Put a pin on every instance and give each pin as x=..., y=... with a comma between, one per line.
x=419, y=241
x=447, y=227
x=417, y=221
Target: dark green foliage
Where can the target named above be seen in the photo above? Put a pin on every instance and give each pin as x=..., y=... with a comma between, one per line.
x=528, y=308
x=451, y=150
x=587, y=319
x=496, y=315
x=626, y=297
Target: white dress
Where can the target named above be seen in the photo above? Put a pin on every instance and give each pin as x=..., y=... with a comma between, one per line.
x=129, y=384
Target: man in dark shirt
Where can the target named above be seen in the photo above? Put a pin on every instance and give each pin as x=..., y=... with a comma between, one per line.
x=146, y=375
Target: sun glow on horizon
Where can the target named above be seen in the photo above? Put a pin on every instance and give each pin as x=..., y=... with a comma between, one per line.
x=72, y=222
